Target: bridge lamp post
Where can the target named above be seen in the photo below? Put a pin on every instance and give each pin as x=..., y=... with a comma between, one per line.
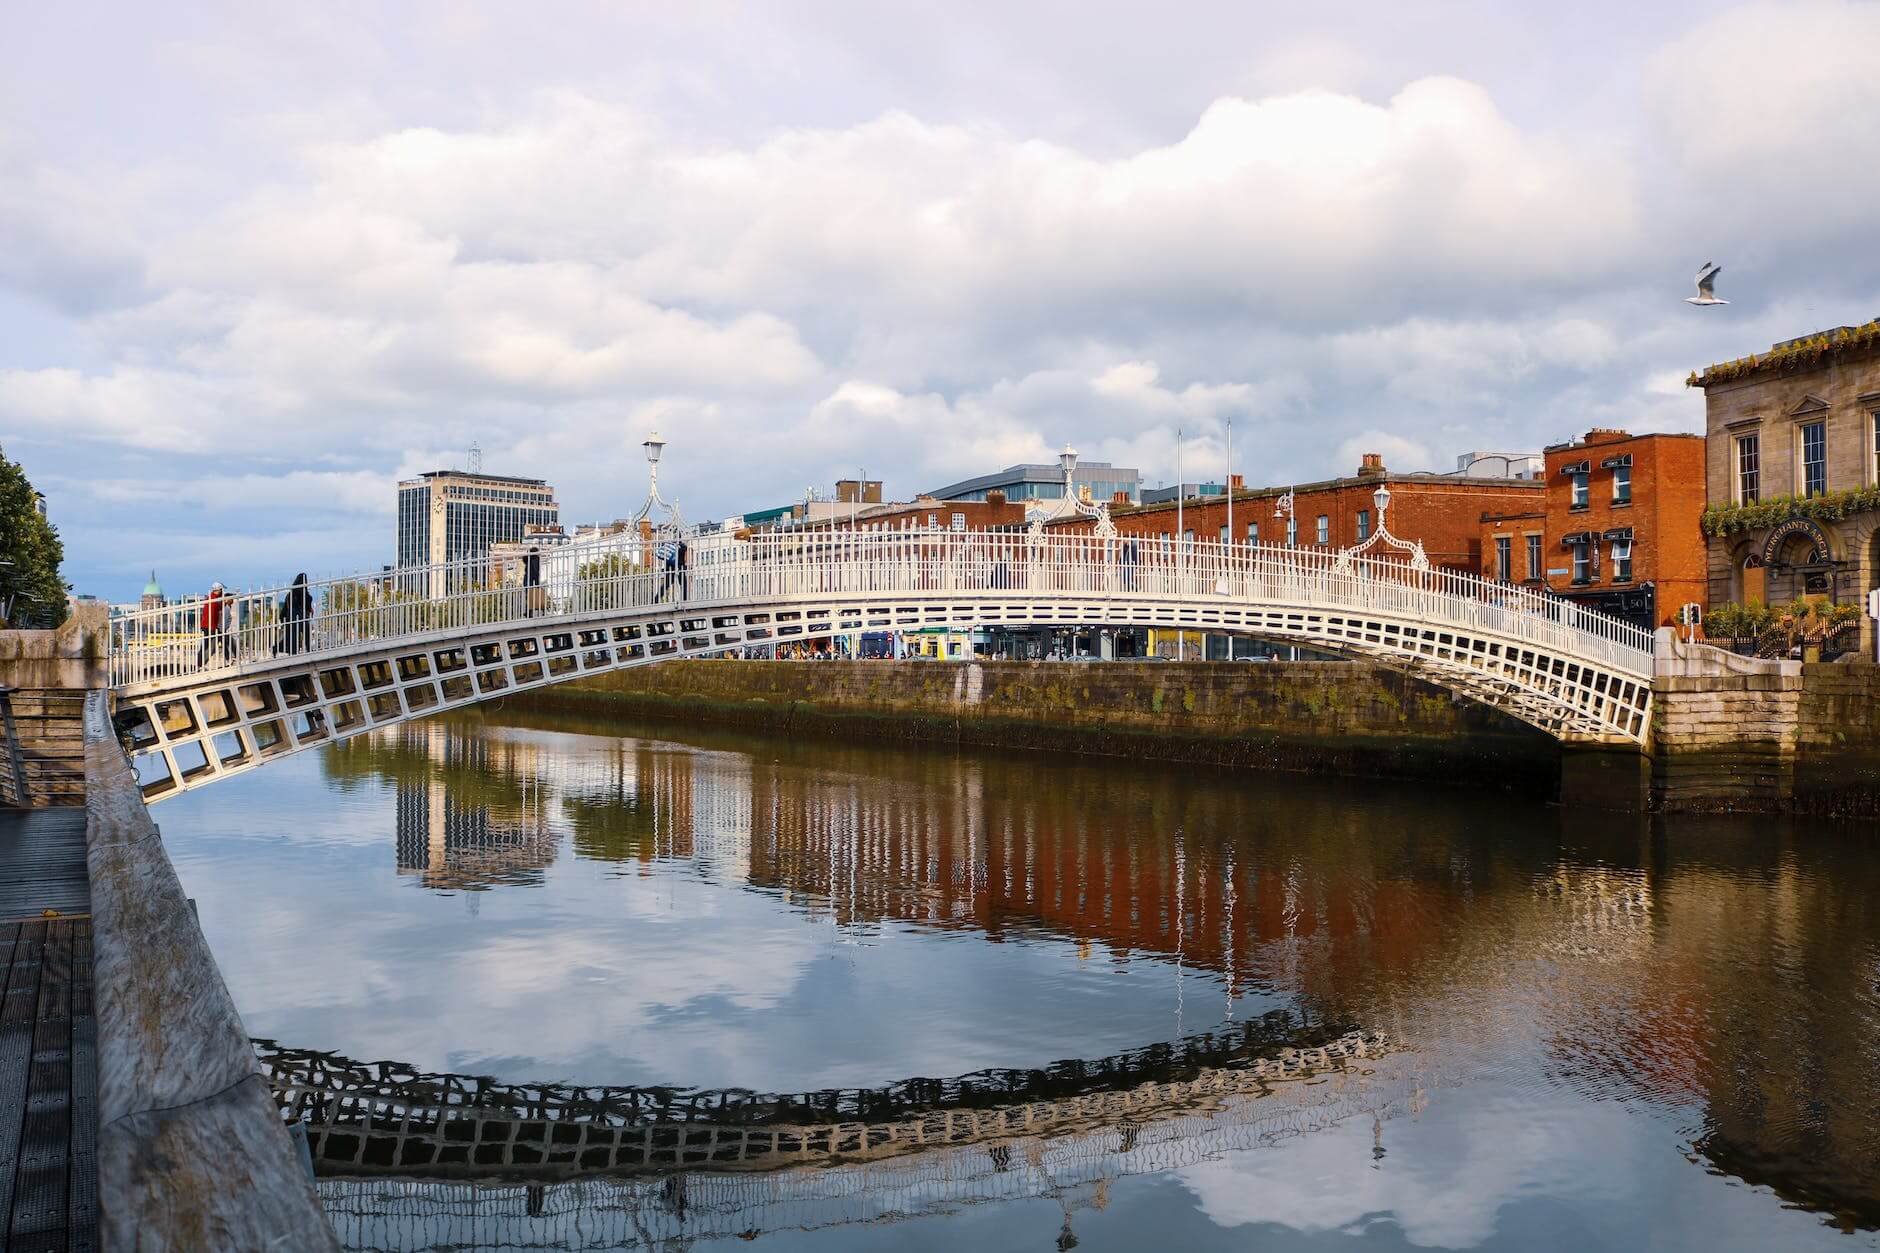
x=654, y=445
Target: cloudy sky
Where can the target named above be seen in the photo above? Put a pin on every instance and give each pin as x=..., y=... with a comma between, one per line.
x=257, y=262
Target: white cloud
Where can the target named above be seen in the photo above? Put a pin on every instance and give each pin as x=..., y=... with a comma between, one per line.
x=1316, y=241
x=1767, y=111
x=1399, y=454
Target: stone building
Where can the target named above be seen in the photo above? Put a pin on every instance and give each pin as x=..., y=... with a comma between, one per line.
x=1619, y=531
x=1791, y=468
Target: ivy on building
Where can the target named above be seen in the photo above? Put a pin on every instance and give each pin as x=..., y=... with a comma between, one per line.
x=1809, y=351
x=1759, y=515
x=31, y=583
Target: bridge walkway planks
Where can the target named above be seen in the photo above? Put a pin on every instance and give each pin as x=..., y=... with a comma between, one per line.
x=48, y=1036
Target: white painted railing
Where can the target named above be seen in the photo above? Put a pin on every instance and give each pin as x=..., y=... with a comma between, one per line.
x=776, y=569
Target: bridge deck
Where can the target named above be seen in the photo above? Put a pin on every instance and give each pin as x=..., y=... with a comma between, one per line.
x=48, y=1053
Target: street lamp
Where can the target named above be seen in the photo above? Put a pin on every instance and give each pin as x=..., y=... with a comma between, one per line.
x=1380, y=537
x=1068, y=459
x=654, y=446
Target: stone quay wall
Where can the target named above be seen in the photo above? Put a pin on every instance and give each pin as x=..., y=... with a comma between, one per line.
x=1342, y=718
x=1740, y=734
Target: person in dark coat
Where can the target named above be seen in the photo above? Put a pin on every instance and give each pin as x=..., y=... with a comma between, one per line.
x=536, y=597
x=297, y=617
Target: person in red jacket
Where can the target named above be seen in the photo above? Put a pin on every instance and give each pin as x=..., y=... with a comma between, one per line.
x=213, y=619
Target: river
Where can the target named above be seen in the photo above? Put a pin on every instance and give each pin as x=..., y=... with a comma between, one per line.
x=1547, y=1028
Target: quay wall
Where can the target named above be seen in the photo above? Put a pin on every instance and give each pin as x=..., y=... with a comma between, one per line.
x=1767, y=736
x=1344, y=718
x=192, y=1153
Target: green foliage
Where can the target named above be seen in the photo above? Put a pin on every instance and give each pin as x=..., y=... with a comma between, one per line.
x=32, y=545
x=1736, y=622
x=1760, y=515
x=1810, y=351
x=1777, y=631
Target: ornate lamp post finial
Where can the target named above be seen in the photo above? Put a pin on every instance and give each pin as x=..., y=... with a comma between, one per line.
x=1070, y=506
x=654, y=446
x=1380, y=536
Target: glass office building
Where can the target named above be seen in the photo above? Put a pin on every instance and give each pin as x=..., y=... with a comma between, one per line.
x=1099, y=480
x=448, y=515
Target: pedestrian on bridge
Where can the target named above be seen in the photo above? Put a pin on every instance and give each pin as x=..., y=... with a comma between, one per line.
x=535, y=595
x=297, y=617
x=213, y=619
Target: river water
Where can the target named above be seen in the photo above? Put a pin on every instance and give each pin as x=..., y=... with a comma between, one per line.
x=1570, y=1030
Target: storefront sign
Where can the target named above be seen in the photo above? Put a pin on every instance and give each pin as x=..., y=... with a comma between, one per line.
x=1780, y=535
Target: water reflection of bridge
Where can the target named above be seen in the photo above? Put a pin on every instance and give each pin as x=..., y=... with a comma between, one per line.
x=396, y=1146
x=1669, y=962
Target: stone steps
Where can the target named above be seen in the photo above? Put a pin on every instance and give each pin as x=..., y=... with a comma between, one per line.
x=50, y=737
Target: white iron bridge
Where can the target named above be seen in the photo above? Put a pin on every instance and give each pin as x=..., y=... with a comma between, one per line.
x=204, y=693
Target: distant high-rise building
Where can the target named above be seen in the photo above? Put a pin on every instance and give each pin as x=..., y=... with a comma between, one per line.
x=449, y=515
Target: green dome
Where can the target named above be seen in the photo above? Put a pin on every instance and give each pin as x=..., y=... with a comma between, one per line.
x=151, y=588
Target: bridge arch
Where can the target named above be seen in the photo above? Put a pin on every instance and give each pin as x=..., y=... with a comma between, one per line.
x=197, y=706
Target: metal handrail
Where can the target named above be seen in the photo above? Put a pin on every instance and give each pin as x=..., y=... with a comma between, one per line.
x=16, y=767
x=351, y=613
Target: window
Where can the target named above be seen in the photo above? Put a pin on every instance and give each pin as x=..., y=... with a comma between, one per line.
x=933, y=521
x=959, y=522
x=1253, y=532
x=1579, y=489
x=1534, y=556
x=1364, y=525
x=1748, y=469
x=1504, y=558
x=1622, y=561
x=1325, y=529
x=1622, y=485
x=1292, y=531
x=1814, y=458
x=1582, y=563
x=1223, y=532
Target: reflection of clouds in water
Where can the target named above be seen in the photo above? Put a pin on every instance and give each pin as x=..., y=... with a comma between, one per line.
x=1445, y=1176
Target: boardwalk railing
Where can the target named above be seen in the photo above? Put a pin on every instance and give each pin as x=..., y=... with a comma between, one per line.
x=355, y=613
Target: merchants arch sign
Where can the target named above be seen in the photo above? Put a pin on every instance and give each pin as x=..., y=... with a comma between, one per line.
x=1780, y=535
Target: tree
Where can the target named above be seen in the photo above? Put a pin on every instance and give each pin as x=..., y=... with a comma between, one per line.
x=32, y=544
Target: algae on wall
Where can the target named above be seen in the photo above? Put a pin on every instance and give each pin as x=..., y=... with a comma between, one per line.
x=1322, y=717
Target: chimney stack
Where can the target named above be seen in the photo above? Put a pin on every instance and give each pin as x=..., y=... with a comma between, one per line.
x=1372, y=466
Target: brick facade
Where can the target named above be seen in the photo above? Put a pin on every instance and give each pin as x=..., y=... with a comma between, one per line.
x=1443, y=511
x=1771, y=399
x=993, y=513
x=1659, y=515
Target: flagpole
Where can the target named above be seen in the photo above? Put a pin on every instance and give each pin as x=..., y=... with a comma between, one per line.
x=1181, y=543
x=1230, y=481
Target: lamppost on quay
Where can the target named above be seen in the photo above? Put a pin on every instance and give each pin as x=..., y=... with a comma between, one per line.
x=1068, y=506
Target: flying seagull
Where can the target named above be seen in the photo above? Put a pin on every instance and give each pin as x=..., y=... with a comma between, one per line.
x=1707, y=286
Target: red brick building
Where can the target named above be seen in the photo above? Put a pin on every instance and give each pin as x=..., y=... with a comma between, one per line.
x=995, y=512
x=1618, y=531
x=1443, y=511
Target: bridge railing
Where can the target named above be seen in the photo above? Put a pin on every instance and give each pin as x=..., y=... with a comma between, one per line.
x=341, y=615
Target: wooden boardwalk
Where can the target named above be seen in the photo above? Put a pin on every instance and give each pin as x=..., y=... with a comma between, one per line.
x=48, y=1087
x=48, y=1035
